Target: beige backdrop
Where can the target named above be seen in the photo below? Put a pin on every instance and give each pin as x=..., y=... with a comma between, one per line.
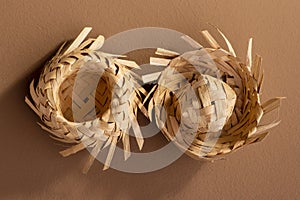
x=30, y=166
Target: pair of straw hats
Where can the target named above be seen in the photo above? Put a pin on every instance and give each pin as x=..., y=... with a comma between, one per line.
x=206, y=101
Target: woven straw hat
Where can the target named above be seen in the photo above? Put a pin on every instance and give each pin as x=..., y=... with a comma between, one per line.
x=89, y=98
x=208, y=101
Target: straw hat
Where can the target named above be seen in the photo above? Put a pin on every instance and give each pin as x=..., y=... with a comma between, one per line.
x=89, y=98
x=208, y=101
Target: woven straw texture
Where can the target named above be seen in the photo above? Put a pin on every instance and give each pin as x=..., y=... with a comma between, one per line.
x=88, y=97
x=208, y=101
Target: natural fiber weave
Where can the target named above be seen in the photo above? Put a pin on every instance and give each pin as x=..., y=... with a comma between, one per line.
x=76, y=110
x=208, y=102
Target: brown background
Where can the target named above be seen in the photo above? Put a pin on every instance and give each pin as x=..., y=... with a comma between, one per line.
x=31, y=168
